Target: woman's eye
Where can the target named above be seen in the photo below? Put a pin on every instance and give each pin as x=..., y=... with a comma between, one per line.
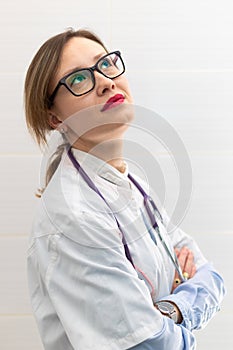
x=77, y=79
x=105, y=64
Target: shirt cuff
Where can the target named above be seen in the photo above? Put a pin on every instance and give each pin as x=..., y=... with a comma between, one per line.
x=184, y=308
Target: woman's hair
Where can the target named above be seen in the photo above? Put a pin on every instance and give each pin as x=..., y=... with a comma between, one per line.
x=36, y=89
x=38, y=79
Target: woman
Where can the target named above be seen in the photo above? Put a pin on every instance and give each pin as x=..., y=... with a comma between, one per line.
x=99, y=275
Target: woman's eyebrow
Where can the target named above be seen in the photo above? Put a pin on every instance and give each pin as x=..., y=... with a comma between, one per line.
x=100, y=55
x=95, y=58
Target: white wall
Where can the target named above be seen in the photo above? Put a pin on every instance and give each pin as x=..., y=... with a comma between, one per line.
x=190, y=47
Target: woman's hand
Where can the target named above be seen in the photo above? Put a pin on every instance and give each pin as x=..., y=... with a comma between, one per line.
x=186, y=261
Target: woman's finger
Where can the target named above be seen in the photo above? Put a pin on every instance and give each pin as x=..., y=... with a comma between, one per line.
x=188, y=266
x=183, y=254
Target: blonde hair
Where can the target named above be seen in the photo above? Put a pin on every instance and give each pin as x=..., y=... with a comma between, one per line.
x=36, y=89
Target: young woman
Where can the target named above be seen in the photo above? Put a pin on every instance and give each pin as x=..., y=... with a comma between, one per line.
x=104, y=273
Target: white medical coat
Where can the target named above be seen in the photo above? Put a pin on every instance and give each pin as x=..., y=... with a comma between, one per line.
x=85, y=293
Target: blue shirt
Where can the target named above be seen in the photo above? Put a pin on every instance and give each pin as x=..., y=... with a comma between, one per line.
x=85, y=293
x=198, y=301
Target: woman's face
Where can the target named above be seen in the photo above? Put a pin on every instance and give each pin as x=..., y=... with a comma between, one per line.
x=83, y=53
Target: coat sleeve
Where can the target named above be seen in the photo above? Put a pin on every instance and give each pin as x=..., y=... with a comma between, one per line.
x=200, y=297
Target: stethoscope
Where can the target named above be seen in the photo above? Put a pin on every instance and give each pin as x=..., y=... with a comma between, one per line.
x=150, y=207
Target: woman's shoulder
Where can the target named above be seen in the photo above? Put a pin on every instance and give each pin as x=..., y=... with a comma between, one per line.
x=69, y=207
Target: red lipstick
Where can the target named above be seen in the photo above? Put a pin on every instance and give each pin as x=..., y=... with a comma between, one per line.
x=113, y=102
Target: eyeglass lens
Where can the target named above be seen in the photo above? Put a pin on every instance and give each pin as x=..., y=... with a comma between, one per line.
x=83, y=80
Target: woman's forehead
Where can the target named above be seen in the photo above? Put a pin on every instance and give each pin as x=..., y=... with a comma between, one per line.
x=79, y=53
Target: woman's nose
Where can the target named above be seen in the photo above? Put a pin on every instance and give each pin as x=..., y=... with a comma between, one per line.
x=103, y=84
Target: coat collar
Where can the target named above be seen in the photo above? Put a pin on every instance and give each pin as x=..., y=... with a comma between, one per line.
x=100, y=168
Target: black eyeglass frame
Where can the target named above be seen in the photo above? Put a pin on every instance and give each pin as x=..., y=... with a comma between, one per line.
x=62, y=81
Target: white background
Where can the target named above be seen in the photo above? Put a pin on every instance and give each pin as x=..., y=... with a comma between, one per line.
x=179, y=57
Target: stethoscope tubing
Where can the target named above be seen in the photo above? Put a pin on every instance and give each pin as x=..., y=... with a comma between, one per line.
x=151, y=215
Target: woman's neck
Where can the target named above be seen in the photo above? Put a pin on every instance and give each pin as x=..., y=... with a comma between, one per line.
x=110, y=152
x=118, y=164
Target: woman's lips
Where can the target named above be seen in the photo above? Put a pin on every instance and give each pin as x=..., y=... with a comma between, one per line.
x=113, y=102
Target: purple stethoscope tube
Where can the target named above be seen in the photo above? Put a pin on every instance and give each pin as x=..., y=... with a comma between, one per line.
x=148, y=203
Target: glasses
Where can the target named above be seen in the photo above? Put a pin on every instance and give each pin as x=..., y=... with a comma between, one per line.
x=82, y=81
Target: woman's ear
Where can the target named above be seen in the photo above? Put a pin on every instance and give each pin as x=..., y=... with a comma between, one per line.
x=53, y=120
x=56, y=123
